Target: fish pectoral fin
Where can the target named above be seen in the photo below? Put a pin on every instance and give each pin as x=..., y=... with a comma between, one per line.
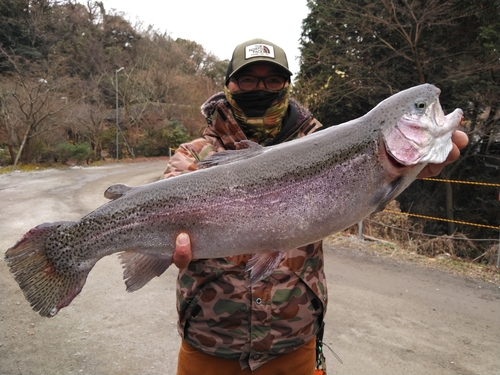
x=246, y=149
x=261, y=265
x=387, y=194
x=140, y=268
x=116, y=191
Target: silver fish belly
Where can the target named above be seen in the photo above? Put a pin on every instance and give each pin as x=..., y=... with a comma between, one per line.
x=262, y=200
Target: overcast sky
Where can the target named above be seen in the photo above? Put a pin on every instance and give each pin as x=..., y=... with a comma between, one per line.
x=220, y=25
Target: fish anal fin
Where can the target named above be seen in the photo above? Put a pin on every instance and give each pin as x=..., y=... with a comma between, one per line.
x=140, y=268
x=245, y=149
x=261, y=265
x=47, y=289
x=116, y=191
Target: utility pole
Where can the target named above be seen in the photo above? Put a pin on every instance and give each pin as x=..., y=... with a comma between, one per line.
x=117, y=124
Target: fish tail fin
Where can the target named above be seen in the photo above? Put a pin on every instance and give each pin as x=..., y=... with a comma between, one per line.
x=46, y=289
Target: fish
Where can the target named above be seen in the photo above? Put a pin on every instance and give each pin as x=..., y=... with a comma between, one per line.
x=256, y=200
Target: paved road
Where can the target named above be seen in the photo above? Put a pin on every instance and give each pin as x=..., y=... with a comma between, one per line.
x=385, y=317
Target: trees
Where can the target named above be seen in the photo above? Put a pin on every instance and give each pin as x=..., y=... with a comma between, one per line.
x=57, y=66
x=356, y=53
x=31, y=103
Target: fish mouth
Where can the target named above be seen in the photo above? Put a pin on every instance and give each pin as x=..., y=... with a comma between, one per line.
x=447, y=122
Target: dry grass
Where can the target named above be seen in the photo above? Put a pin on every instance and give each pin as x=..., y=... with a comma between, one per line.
x=396, y=236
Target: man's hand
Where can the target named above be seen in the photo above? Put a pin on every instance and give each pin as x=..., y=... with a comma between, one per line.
x=182, y=255
x=460, y=140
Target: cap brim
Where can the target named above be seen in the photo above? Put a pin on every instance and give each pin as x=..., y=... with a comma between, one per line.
x=282, y=68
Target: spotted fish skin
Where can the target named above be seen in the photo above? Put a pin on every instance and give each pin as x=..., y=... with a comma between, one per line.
x=262, y=200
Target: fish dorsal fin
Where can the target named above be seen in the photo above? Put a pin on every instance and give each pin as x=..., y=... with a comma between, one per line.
x=245, y=149
x=116, y=191
x=140, y=268
x=262, y=265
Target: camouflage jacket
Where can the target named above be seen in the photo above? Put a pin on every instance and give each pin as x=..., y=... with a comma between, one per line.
x=219, y=313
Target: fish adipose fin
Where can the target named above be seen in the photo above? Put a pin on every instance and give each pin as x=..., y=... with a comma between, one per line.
x=246, y=149
x=46, y=289
x=140, y=268
x=116, y=191
x=261, y=265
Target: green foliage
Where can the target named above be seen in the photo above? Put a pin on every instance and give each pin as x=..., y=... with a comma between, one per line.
x=175, y=134
x=15, y=32
x=4, y=157
x=58, y=68
x=156, y=142
x=78, y=152
x=356, y=53
x=108, y=138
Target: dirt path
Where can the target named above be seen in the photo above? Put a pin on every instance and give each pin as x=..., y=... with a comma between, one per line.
x=384, y=317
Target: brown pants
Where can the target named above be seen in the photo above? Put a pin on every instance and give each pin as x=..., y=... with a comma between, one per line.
x=194, y=362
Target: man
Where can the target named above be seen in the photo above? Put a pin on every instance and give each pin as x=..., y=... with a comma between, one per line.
x=228, y=326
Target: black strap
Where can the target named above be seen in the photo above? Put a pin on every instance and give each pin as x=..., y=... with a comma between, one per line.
x=319, y=345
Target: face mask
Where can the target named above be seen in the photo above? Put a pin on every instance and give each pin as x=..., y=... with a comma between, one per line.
x=259, y=112
x=255, y=103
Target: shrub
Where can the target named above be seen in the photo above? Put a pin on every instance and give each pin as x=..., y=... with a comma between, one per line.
x=78, y=152
x=156, y=142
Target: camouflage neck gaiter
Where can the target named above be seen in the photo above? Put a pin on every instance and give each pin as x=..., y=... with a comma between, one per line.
x=259, y=112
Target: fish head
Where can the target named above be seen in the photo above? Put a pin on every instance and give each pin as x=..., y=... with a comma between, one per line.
x=421, y=132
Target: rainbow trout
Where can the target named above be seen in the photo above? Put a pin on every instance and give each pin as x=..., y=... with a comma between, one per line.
x=260, y=200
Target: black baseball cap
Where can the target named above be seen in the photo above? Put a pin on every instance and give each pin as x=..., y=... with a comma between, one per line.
x=257, y=50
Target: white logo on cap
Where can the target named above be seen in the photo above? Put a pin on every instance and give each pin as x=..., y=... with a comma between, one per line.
x=259, y=50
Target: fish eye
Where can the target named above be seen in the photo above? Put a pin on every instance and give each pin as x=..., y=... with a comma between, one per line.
x=420, y=105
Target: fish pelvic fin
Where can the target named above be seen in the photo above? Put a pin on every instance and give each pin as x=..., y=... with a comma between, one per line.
x=261, y=265
x=140, y=268
x=47, y=289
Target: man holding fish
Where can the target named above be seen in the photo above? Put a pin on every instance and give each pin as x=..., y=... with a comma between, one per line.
x=230, y=323
x=245, y=229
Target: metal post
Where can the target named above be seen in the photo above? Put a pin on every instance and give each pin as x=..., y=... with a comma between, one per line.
x=117, y=125
x=498, y=256
x=360, y=230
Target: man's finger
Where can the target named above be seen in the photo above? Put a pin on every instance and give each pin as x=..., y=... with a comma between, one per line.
x=182, y=255
x=460, y=139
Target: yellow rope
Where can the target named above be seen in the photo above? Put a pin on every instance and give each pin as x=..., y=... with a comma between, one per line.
x=461, y=182
x=442, y=219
